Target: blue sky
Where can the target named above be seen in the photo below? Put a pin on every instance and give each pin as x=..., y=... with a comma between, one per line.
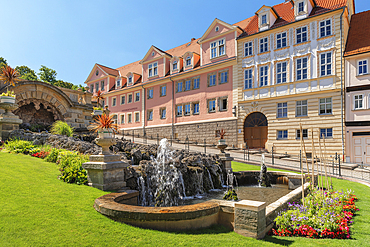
x=71, y=36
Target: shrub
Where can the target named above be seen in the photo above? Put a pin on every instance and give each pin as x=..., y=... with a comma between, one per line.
x=53, y=155
x=70, y=166
x=61, y=128
x=18, y=146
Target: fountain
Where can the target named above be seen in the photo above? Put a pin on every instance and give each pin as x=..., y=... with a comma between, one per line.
x=264, y=180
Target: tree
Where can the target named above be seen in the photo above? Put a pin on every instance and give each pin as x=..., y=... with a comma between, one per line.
x=26, y=73
x=61, y=83
x=9, y=76
x=47, y=75
x=3, y=62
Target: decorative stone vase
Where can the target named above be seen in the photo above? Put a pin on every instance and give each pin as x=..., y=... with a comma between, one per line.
x=7, y=99
x=105, y=134
x=98, y=112
x=222, y=145
x=222, y=141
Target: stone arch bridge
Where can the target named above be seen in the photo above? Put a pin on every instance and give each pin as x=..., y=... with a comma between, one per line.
x=43, y=103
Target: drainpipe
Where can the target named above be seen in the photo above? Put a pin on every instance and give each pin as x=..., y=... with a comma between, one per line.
x=341, y=78
x=143, y=105
x=173, y=107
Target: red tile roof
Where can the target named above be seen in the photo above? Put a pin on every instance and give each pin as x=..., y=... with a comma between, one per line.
x=285, y=13
x=108, y=70
x=358, y=40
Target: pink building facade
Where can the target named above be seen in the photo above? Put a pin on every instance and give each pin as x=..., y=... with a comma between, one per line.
x=184, y=92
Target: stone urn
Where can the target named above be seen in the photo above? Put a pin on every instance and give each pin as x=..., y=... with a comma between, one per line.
x=7, y=99
x=222, y=145
x=8, y=121
x=97, y=112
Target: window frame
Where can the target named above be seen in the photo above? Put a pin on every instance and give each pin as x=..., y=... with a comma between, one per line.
x=208, y=105
x=281, y=40
x=150, y=93
x=282, y=73
x=220, y=104
x=298, y=134
x=128, y=98
x=283, y=106
x=92, y=88
x=263, y=75
x=137, y=113
x=96, y=86
x=198, y=83
x=165, y=90
x=216, y=46
x=149, y=112
x=173, y=65
x=325, y=130
x=187, y=105
x=120, y=118
x=187, y=85
x=302, y=69
x=193, y=110
x=248, y=48
x=326, y=64
x=301, y=106
x=325, y=27
x=284, y=135
x=362, y=65
x=358, y=100
x=102, y=85
x=263, y=45
x=188, y=58
x=129, y=80
x=124, y=101
x=325, y=104
x=209, y=79
x=303, y=35
x=118, y=83
x=152, y=69
x=161, y=110
x=222, y=75
x=250, y=80
x=177, y=86
x=179, y=113
x=137, y=99
x=114, y=101
x=129, y=117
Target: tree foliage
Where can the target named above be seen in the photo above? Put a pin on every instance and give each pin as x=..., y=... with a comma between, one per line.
x=26, y=73
x=3, y=62
x=48, y=75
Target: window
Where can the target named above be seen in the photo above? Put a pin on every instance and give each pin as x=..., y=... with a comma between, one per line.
x=281, y=72
x=137, y=117
x=187, y=109
x=300, y=7
x=129, y=79
x=280, y=40
x=362, y=67
x=96, y=86
x=129, y=118
x=326, y=133
x=187, y=85
x=122, y=119
x=137, y=96
x=174, y=65
x=150, y=115
x=211, y=80
x=92, y=88
x=263, y=19
x=163, y=90
x=301, y=108
x=162, y=111
x=325, y=28
x=129, y=100
x=282, y=134
x=188, y=61
x=196, y=108
x=114, y=118
x=248, y=49
x=248, y=79
x=325, y=63
x=359, y=101
x=103, y=102
x=123, y=99
x=179, y=111
x=304, y=134
x=282, y=110
x=301, y=35
x=102, y=85
x=196, y=83
x=114, y=101
x=325, y=106
x=97, y=72
x=301, y=69
x=218, y=48
x=150, y=93
x=212, y=105
x=263, y=45
x=153, y=69
x=223, y=104
x=223, y=77
x=179, y=87
x=263, y=75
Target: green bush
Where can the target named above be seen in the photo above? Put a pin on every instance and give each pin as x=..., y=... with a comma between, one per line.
x=70, y=166
x=18, y=146
x=61, y=128
x=53, y=155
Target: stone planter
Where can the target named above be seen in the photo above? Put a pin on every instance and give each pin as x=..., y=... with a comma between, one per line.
x=98, y=112
x=7, y=99
x=105, y=134
x=222, y=142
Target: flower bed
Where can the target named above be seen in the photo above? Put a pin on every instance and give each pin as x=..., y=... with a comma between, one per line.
x=324, y=215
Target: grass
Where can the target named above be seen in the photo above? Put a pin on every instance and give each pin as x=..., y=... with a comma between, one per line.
x=37, y=209
x=238, y=166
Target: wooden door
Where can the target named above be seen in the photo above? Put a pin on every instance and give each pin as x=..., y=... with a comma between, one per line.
x=255, y=130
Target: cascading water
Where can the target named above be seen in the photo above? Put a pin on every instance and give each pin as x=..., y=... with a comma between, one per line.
x=210, y=179
x=263, y=179
x=165, y=185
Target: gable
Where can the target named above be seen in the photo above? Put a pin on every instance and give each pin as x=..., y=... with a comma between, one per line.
x=92, y=76
x=154, y=53
x=211, y=32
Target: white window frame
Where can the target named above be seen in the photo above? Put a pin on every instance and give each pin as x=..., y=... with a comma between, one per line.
x=357, y=99
x=124, y=102
x=128, y=98
x=263, y=44
x=118, y=83
x=302, y=69
x=120, y=118
x=283, y=136
x=153, y=69
x=264, y=75
x=209, y=104
x=187, y=109
x=281, y=72
x=161, y=110
x=165, y=90
x=218, y=48
x=281, y=39
x=175, y=65
x=220, y=107
x=92, y=88
x=248, y=48
x=326, y=104
x=325, y=28
x=150, y=95
x=362, y=66
x=129, y=117
x=325, y=130
x=194, y=108
x=129, y=80
x=264, y=19
x=283, y=107
x=182, y=86
x=114, y=101
x=301, y=34
x=196, y=81
x=102, y=85
x=96, y=86
x=188, y=61
x=298, y=134
x=179, y=113
x=326, y=61
x=137, y=100
x=115, y=118
x=299, y=6
x=302, y=107
x=224, y=77
x=248, y=78
x=148, y=114
x=137, y=113
x=187, y=85
x=213, y=75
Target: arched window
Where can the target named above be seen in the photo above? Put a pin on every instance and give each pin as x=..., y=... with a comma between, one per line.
x=174, y=65
x=188, y=61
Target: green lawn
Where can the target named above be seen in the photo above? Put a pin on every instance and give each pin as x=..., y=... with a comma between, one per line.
x=238, y=166
x=39, y=210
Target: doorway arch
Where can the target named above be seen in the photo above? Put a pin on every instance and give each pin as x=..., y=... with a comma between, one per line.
x=255, y=130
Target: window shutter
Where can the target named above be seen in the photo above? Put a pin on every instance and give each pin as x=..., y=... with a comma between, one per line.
x=208, y=80
x=219, y=77
x=177, y=85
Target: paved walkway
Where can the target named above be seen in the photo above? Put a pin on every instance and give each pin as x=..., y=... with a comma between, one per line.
x=347, y=171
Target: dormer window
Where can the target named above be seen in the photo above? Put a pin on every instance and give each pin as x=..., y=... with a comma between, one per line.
x=118, y=83
x=174, y=65
x=264, y=20
x=129, y=80
x=300, y=7
x=218, y=48
x=153, y=69
x=188, y=61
